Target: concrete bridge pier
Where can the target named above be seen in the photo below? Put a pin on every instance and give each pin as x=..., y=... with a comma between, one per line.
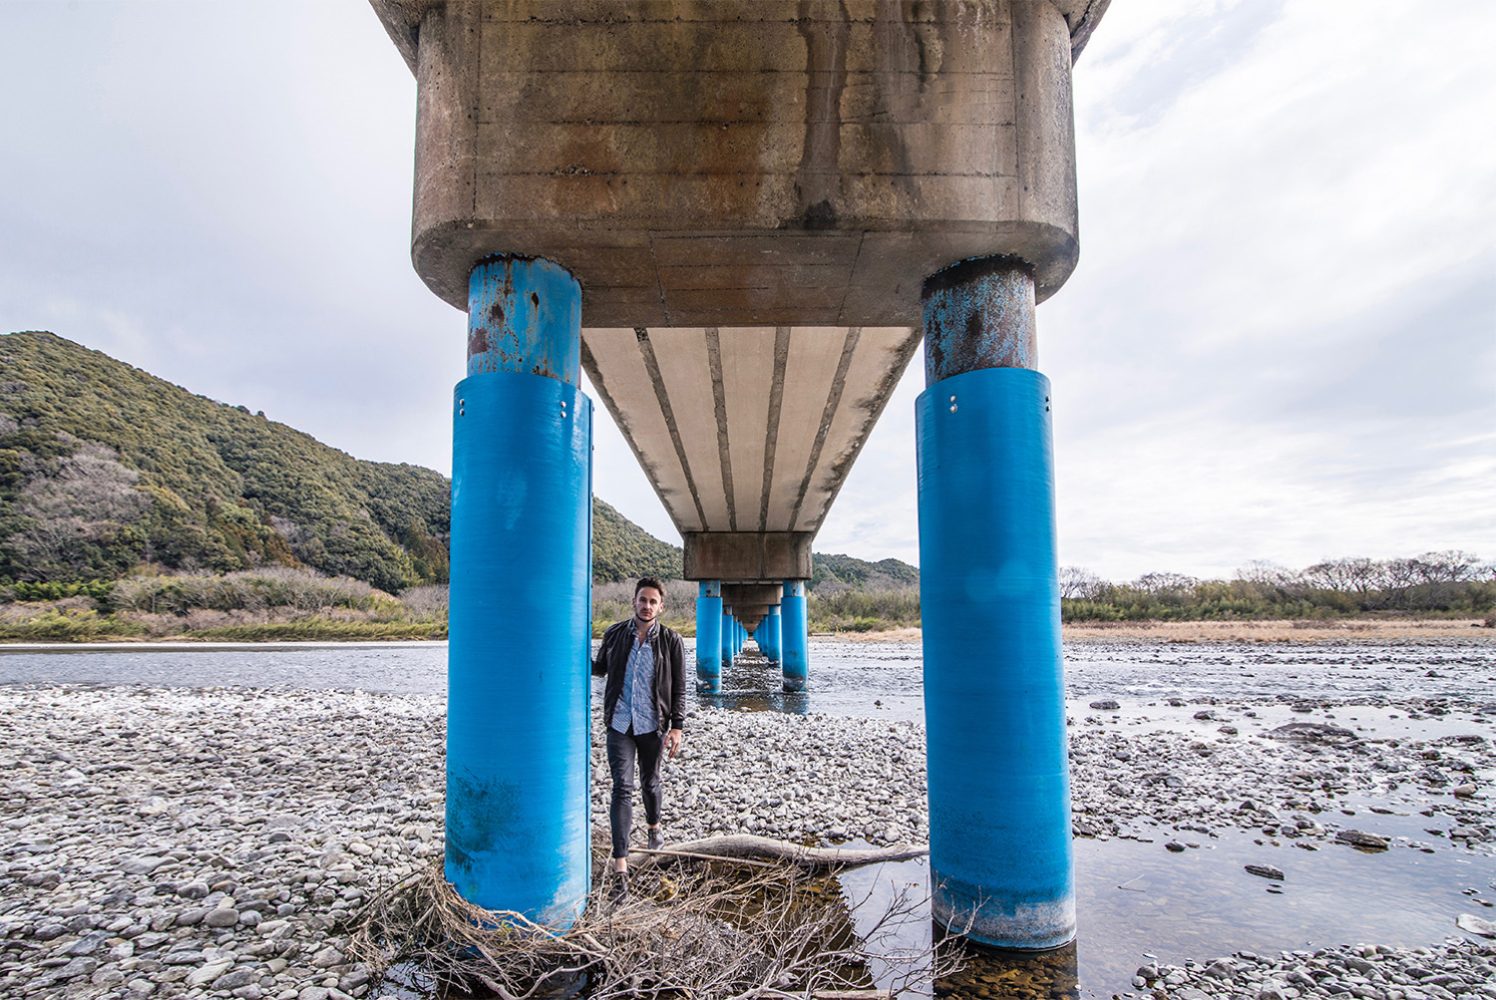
x=1000, y=857
x=709, y=635
x=769, y=630
x=749, y=195
x=795, y=656
x=517, y=818
x=728, y=652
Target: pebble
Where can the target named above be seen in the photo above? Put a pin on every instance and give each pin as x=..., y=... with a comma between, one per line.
x=1266, y=871
x=1457, y=968
x=192, y=852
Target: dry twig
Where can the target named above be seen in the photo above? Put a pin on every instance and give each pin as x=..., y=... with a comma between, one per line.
x=704, y=932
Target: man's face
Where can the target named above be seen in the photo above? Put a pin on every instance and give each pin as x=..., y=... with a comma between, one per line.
x=648, y=604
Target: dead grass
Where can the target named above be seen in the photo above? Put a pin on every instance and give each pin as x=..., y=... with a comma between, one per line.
x=1353, y=629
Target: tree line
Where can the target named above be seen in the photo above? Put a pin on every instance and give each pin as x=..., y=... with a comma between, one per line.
x=1449, y=583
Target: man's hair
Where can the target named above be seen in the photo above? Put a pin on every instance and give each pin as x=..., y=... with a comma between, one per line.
x=649, y=581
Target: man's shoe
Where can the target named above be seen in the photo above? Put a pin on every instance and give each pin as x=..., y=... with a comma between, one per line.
x=656, y=840
x=618, y=888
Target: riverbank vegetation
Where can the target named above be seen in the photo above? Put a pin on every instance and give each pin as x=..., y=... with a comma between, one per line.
x=282, y=603
x=1448, y=584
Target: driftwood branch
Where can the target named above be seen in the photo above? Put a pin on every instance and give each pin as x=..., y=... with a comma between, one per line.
x=765, y=931
x=750, y=849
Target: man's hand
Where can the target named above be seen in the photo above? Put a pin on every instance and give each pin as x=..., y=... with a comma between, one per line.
x=673, y=741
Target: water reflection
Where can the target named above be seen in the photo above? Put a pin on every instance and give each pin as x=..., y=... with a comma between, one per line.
x=1011, y=975
x=1137, y=902
x=753, y=683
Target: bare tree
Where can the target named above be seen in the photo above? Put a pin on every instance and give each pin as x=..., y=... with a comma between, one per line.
x=89, y=498
x=1357, y=575
x=1079, y=584
x=1174, y=584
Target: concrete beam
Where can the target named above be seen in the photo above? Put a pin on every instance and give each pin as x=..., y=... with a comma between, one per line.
x=747, y=595
x=750, y=616
x=757, y=556
x=746, y=428
x=743, y=163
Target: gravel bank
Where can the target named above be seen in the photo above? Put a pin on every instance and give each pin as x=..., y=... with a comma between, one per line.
x=1456, y=970
x=1292, y=782
x=180, y=842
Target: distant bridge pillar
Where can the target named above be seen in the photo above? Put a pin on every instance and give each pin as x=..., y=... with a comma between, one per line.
x=1000, y=857
x=728, y=624
x=795, y=655
x=770, y=629
x=709, y=635
x=518, y=822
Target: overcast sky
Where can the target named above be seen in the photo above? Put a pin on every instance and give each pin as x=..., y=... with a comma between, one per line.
x=1280, y=343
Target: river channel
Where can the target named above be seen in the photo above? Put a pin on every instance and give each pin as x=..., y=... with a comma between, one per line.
x=1137, y=902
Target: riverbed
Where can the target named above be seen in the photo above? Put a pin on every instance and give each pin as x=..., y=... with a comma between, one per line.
x=283, y=784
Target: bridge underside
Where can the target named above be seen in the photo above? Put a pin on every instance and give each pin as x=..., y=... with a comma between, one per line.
x=740, y=216
x=746, y=430
x=750, y=193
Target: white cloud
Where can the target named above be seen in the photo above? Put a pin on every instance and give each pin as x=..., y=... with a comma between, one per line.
x=1280, y=342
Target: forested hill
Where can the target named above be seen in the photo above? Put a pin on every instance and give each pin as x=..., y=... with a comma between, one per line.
x=861, y=574
x=104, y=467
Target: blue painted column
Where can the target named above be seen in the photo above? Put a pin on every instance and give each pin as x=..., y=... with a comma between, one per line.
x=771, y=634
x=517, y=829
x=1000, y=854
x=709, y=636
x=795, y=654
x=727, y=651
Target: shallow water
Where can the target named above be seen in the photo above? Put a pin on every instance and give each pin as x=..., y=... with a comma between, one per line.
x=1136, y=901
x=873, y=679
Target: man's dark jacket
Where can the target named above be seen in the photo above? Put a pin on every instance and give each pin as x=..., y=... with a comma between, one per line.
x=669, y=668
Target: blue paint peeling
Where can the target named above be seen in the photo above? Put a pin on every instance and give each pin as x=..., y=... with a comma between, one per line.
x=979, y=314
x=519, y=313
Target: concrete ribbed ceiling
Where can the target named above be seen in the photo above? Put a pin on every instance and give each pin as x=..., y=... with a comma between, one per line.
x=746, y=428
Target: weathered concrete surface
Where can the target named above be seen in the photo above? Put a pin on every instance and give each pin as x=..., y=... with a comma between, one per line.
x=742, y=597
x=979, y=314
x=743, y=162
x=746, y=429
x=747, y=556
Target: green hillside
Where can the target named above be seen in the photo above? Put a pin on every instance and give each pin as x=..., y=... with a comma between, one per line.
x=104, y=467
x=859, y=573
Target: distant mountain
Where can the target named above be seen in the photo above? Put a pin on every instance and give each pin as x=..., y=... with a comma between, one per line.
x=861, y=574
x=621, y=550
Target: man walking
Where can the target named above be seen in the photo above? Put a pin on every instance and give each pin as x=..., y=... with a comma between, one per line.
x=643, y=712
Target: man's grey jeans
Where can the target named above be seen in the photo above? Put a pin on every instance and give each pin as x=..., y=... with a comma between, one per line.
x=623, y=748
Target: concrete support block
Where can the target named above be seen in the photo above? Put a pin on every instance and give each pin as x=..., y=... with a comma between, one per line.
x=743, y=596
x=638, y=120
x=748, y=555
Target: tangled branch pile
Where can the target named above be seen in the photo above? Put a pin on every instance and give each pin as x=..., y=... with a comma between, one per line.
x=709, y=932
